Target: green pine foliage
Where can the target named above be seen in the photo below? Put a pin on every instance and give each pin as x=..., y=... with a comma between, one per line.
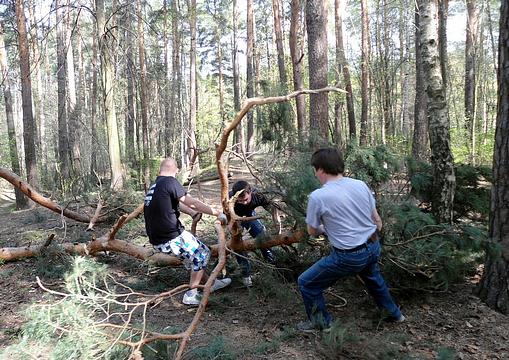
x=373, y=165
x=66, y=327
x=421, y=254
x=472, y=195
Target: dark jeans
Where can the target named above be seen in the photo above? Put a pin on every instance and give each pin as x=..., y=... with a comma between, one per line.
x=337, y=265
x=255, y=229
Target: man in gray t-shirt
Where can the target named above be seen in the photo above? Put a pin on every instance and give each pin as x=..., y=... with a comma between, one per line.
x=344, y=209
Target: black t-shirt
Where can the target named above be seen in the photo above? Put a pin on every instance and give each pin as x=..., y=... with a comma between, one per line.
x=161, y=210
x=257, y=199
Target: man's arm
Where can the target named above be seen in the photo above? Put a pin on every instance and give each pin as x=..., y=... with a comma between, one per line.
x=198, y=206
x=316, y=231
x=376, y=219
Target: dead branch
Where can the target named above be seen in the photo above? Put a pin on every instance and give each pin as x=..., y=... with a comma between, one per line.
x=22, y=185
x=246, y=106
x=97, y=212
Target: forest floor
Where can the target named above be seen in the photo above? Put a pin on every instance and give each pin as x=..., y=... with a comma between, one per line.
x=256, y=322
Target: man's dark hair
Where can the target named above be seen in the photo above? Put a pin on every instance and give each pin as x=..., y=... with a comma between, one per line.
x=241, y=185
x=329, y=160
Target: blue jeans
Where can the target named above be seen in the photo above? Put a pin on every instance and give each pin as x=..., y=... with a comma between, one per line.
x=325, y=272
x=255, y=229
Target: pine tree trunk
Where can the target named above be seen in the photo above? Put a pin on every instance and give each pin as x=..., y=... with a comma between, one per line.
x=193, y=101
x=239, y=133
x=296, y=55
x=63, y=134
x=21, y=200
x=277, y=7
x=441, y=157
x=130, y=143
x=343, y=65
x=29, y=132
x=316, y=22
x=93, y=108
x=494, y=285
x=470, y=73
x=175, y=69
x=40, y=120
x=107, y=48
x=364, y=73
x=143, y=95
x=420, y=136
x=250, y=92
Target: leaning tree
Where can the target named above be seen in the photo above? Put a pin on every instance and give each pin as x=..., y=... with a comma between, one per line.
x=494, y=286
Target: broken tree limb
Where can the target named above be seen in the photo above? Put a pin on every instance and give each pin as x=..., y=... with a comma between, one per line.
x=19, y=183
x=246, y=106
x=96, y=215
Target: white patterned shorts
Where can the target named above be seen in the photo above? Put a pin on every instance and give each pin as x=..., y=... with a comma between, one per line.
x=193, y=253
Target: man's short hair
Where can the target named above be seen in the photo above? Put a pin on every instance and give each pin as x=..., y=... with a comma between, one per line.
x=329, y=160
x=241, y=185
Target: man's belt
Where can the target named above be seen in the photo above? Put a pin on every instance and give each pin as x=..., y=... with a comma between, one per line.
x=373, y=238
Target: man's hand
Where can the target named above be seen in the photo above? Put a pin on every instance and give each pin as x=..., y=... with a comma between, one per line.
x=222, y=218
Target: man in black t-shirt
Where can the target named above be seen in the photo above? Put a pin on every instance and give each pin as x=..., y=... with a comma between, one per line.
x=247, y=201
x=167, y=234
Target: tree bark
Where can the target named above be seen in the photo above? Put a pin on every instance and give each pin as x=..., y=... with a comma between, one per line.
x=494, y=285
x=21, y=201
x=296, y=55
x=107, y=49
x=250, y=91
x=143, y=95
x=364, y=73
x=470, y=73
x=239, y=133
x=130, y=143
x=63, y=134
x=420, y=136
x=343, y=65
x=193, y=101
x=277, y=7
x=29, y=126
x=444, y=181
x=316, y=24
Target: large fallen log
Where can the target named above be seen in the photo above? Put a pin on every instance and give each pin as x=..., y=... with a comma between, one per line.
x=145, y=253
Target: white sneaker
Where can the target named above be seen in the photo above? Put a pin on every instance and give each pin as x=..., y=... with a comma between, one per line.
x=220, y=283
x=192, y=297
x=247, y=281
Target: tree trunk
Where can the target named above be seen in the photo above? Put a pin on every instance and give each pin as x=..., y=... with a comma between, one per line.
x=29, y=134
x=239, y=133
x=21, y=201
x=143, y=95
x=250, y=74
x=343, y=65
x=63, y=134
x=470, y=75
x=40, y=120
x=494, y=285
x=93, y=108
x=364, y=73
x=175, y=69
x=441, y=157
x=193, y=101
x=296, y=55
x=443, y=10
x=130, y=143
x=107, y=48
x=316, y=23
x=277, y=7
x=420, y=136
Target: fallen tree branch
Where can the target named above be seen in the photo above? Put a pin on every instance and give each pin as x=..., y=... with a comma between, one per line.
x=22, y=185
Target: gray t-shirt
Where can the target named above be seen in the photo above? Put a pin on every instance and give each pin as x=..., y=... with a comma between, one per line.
x=344, y=207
